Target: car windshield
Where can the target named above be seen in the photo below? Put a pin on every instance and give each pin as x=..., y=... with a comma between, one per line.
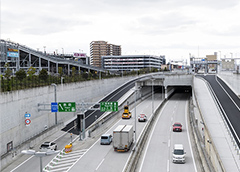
x=44, y=146
x=177, y=125
x=125, y=113
x=178, y=152
x=104, y=137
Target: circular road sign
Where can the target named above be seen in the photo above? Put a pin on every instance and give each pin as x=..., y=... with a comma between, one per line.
x=27, y=121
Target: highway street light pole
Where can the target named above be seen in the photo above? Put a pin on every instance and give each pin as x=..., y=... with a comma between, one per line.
x=55, y=99
x=152, y=97
x=40, y=155
x=135, y=117
x=135, y=111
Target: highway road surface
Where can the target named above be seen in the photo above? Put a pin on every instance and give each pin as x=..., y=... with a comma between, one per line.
x=157, y=154
x=103, y=158
x=33, y=163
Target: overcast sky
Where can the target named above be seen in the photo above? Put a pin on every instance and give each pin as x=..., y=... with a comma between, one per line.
x=173, y=28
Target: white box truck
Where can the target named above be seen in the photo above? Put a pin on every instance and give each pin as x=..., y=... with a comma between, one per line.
x=123, y=138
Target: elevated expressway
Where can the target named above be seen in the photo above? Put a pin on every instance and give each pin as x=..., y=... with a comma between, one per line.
x=171, y=102
x=25, y=57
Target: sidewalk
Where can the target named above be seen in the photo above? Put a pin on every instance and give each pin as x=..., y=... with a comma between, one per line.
x=215, y=125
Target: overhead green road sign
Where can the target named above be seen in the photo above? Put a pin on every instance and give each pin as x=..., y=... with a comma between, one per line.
x=66, y=107
x=108, y=106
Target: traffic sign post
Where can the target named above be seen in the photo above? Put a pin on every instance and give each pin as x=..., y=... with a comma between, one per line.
x=54, y=107
x=108, y=106
x=27, y=122
x=27, y=115
x=66, y=107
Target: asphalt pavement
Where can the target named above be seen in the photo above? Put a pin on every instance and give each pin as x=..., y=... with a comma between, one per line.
x=219, y=135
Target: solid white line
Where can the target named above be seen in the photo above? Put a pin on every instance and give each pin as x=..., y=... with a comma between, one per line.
x=168, y=165
x=22, y=163
x=93, y=145
x=144, y=156
x=65, y=133
x=99, y=164
x=169, y=142
x=194, y=164
x=227, y=94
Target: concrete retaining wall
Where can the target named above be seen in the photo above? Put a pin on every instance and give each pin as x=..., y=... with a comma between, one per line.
x=233, y=80
x=15, y=104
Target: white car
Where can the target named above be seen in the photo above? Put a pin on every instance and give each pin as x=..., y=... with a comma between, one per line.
x=178, y=154
x=48, y=145
x=142, y=118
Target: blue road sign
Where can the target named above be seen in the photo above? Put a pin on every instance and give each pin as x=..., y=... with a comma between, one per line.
x=54, y=107
x=27, y=115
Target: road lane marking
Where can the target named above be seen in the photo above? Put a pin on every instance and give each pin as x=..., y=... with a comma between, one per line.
x=169, y=143
x=150, y=138
x=168, y=165
x=22, y=163
x=99, y=164
x=194, y=164
x=92, y=146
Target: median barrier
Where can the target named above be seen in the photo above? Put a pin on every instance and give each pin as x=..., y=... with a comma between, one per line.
x=138, y=147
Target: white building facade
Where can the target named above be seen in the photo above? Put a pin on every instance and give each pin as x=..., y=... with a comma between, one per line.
x=131, y=62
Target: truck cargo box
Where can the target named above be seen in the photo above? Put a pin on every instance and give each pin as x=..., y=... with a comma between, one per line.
x=123, y=137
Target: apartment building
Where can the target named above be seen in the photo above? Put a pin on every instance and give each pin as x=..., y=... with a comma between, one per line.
x=102, y=48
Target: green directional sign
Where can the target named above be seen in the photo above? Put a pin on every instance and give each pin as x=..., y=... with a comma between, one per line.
x=66, y=107
x=108, y=106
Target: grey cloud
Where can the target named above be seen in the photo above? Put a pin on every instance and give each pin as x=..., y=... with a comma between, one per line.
x=40, y=23
x=232, y=31
x=164, y=24
x=215, y=4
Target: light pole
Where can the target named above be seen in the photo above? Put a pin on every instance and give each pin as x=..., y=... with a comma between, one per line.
x=231, y=55
x=40, y=155
x=44, y=47
x=220, y=55
x=135, y=111
x=162, y=92
x=152, y=96
x=55, y=99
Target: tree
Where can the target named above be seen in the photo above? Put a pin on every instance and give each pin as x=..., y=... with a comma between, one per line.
x=21, y=74
x=8, y=71
x=60, y=71
x=31, y=71
x=43, y=74
x=73, y=71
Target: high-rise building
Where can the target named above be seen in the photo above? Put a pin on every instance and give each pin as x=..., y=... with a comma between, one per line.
x=102, y=48
x=113, y=50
